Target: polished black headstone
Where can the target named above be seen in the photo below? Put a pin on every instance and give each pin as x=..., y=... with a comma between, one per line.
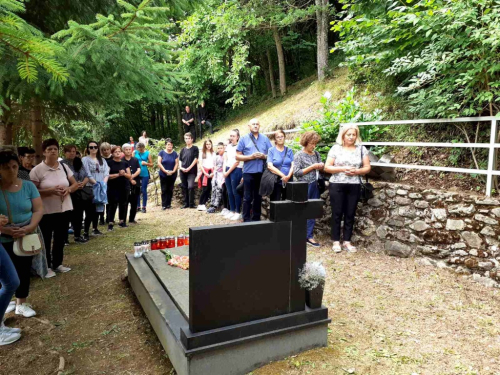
x=297, y=212
x=238, y=273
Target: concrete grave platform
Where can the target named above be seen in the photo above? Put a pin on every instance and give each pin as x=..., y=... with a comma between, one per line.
x=240, y=304
x=163, y=292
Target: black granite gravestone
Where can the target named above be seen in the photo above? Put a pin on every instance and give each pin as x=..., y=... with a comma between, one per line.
x=297, y=209
x=245, y=272
x=238, y=273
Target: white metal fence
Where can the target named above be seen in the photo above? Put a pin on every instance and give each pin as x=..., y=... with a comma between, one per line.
x=491, y=146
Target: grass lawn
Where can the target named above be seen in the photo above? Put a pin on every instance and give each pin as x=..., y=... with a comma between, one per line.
x=389, y=315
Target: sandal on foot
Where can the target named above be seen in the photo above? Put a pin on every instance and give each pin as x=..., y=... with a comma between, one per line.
x=336, y=247
x=349, y=248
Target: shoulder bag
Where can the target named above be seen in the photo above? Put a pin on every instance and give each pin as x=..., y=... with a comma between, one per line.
x=84, y=194
x=269, y=179
x=321, y=178
x=30, y=244
x=366, y=188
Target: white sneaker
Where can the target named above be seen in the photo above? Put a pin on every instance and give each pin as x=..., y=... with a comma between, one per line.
x=25, y=310
x=202, y=207
x=224, y=212
x=7, y=337
x=50, y=274
x=236, y=216
x=62, y=269
x=11, y=329
x=11, y=307
x=228, y=214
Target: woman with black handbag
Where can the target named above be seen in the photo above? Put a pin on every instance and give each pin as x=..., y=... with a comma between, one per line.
x=280, y=164
x=347, y=161
x=20, y=201
x=307, y=167
x=82, y=202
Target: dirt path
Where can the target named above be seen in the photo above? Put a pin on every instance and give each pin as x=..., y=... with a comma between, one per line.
x=389, y=316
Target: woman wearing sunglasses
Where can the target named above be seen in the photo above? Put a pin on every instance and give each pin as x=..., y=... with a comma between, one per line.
x=98, y=170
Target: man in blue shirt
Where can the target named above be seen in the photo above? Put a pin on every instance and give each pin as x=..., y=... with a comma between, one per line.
x=252, y=149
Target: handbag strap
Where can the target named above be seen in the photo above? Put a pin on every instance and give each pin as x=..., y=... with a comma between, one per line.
x=255, y=144
x=8, y=207
x=66, y=173
x=366, y=176
x=284, y=156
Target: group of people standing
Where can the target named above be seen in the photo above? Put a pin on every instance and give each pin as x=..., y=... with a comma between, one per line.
x=238, y=167
x=47, y=197
x=88, y=191
x=346, y=162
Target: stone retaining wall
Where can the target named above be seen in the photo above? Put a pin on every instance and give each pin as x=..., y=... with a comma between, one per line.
x=452, y=230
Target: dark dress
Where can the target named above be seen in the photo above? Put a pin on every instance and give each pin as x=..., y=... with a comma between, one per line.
x=118, y=190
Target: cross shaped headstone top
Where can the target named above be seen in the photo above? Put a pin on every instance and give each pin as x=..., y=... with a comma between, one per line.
x=297, y=209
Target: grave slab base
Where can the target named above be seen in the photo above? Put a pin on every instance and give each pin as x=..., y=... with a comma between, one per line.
x=238, y=356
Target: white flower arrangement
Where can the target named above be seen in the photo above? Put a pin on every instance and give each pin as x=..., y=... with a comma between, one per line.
x=312, y=275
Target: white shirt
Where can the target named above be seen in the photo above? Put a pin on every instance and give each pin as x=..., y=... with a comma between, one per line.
x=231, y=156
x=207, y=162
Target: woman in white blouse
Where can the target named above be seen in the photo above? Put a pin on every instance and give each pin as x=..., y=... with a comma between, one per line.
x=206, y=172
x=347, y=161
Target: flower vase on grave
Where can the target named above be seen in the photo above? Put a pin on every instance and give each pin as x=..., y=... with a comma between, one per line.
x=314, y=297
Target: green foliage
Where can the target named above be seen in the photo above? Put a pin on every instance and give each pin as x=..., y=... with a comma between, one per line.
x=224, y=42
x=27, y=45
x=443, y=53
x=123, y=58
x=334, y=113
x=216, y=51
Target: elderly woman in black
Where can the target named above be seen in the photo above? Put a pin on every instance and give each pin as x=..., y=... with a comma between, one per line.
x=118, y=188
x=347, y=161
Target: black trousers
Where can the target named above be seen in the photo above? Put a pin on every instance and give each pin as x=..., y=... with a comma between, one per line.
x=79, y=207
x=55, y=226
x=344, y=201
x=135, y=192
x=188, y=186
x=23, y=269
x=205, y=192
x=252, y=200
x=167, y=189
x=118, y=200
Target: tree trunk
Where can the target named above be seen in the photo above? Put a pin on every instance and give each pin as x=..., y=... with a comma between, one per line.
x=37, y=128
x=6, y=124
x=281, y=60
x=179, y=121
x=169, y=123
x=271, y=73
x=322, y=37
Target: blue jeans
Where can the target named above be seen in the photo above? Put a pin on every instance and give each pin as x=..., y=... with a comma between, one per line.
x=252, y=200
x=232, y=182
x=9, y=280
x=312, y=193
x=144, y=191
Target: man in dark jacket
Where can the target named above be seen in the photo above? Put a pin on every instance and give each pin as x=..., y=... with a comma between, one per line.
x=202, y=118
x=188, y=122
